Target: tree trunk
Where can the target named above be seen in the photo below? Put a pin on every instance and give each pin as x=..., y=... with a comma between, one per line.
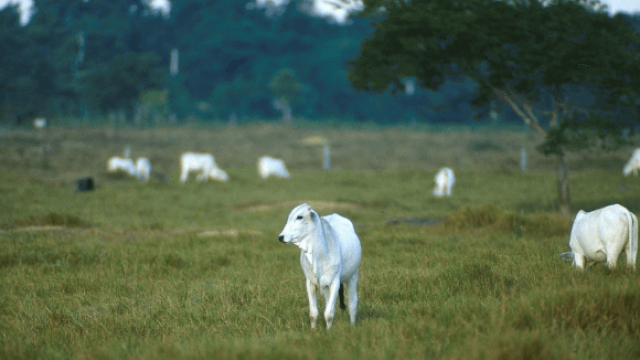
x=564, y=197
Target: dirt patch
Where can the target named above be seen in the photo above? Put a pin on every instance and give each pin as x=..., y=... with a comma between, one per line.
x=416, y=221
x=227, y=232
x=40, y=228
x=321, y=206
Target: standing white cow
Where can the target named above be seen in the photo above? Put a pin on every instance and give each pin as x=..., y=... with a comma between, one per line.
x=445, y=180
x=601, y=235
x=202, y=163
x=143, y=167
x=116, y=163
x=633, y=165
x=330, y=258
x=39, y=123
x=268, y=166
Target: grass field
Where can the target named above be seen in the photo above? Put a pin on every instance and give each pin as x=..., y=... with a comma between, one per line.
x=195, y=271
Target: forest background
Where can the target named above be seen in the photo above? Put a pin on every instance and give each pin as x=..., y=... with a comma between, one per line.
x=112, y=59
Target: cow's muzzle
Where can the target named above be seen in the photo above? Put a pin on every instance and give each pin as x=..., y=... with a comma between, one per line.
x=281, y=238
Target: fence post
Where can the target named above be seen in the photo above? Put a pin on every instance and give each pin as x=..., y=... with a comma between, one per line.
x=523, y=160
x=325, y=153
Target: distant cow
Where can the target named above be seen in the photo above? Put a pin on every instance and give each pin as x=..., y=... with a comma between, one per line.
x=601, y=235
x=444, y=182
x=268, y=166
x=121, y=164
x=204, y=164
x=218, y=174
x=39, y=123
x=330, y=258
x=143, y=168
x=633, y=165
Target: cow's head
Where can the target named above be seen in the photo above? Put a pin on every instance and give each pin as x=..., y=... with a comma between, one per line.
x=299, y=225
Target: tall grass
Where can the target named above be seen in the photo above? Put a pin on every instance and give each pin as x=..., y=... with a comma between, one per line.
x=195, y=271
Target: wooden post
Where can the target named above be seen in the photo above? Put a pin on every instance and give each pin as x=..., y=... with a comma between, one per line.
x=325, y=157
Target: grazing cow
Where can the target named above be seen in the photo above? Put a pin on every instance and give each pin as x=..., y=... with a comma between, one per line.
x=218, y=174
x=330, y=258
x=633, y=165
x=444, y=182
x=601, y=235
x=268, y=166
x=143, y=167
x=202, y=163
x=117, y=163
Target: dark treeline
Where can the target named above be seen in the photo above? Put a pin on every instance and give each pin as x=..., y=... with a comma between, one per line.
x=111, y=58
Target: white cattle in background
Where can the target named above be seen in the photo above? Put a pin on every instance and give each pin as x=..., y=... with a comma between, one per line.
x=218, y=174
x=268, y=166
x=143, y=168
x=121, y=164
x=445, y=180
x=39, y=123
x=204, y=164
x=601, y=235
x=330, y=258
x=633, y=165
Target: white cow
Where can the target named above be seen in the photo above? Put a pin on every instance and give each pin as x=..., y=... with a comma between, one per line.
x=117, y=163
x=202, y=163
x=633, y=165
x=39, y=123
x=330, y=258
x=218, y=174
x=601, y=235
x=143, y=167
x=268, y=166
x=444, y=182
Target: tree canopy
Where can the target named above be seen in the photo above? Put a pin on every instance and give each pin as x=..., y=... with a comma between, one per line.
x=565, y=67
x=229, y=52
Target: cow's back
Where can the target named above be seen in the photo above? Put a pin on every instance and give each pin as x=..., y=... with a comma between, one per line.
x=350, y=248
x=596, y=231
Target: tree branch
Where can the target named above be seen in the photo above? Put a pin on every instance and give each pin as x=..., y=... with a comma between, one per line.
x=529, y=119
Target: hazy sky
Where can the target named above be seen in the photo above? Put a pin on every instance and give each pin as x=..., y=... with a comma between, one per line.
x=629, y=6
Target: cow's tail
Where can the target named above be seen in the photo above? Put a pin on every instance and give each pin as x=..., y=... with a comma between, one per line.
x=341, y=295
x=633, y=235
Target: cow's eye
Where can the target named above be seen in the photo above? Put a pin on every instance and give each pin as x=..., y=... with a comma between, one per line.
x=299, y=217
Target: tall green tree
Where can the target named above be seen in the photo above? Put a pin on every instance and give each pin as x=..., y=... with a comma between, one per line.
x=117, y=86
x=530, y=54
x=14, y=76
x=286, y=87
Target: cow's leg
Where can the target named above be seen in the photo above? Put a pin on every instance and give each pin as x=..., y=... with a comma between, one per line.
x=352, y=297
x=578, y=260
x=613, y=251
x=331, y=296
x=312, y=293
x=183, y=175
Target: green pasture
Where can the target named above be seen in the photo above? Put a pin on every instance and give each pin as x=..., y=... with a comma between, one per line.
x=195, y=271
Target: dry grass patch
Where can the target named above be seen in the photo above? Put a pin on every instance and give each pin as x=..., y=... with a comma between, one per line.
x=50, y=221
x=318, y=205
x=227, y=232
x=498, y=219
